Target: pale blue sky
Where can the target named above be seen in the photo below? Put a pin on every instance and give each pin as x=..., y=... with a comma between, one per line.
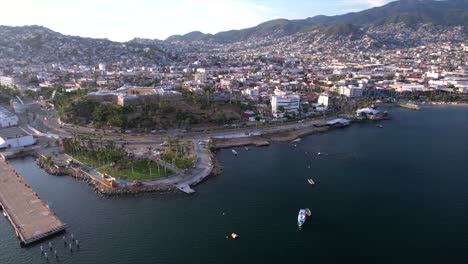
x=122, y=20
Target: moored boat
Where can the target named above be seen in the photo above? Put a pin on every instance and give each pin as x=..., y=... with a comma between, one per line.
x=410, y=106
x=311, y=182
x=234, y=152
x=302, y=216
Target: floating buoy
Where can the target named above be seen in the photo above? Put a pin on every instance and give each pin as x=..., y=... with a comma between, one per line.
x=234, y=236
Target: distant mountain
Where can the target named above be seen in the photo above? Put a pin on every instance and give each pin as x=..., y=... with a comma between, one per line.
x=408, y=12
x=398, y=24
x=42, y=45
x=192, y=36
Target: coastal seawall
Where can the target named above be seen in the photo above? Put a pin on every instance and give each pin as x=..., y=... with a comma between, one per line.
x=267, y=139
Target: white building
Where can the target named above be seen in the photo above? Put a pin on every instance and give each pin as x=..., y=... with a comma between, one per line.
x=102, y=67
x=7, y=118
x=251, y=93
x=200, y=77
x=285, y=104
x=433, y=75
x=323, y=100
x=403, y=87
x=351, y=91
x=15, y=137
x=7, y=81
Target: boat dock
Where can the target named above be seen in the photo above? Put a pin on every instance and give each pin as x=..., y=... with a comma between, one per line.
x=31, y=218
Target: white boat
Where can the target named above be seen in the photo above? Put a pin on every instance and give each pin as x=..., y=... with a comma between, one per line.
x=301, y=217
x=246, y=148
x=234, y=152
x=297, y=140
x=311, y=182
x=410, y=106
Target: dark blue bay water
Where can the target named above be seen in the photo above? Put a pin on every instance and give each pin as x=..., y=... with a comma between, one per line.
x=392, y=195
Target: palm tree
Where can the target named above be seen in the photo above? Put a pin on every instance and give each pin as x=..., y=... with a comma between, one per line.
x=149, y=166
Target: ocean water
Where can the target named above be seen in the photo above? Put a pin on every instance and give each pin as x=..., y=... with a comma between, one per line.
x=397, y=194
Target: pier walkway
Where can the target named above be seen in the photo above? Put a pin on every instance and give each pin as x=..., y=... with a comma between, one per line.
x=30, y=217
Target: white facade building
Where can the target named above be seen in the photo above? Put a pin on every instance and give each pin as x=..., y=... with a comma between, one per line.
x=285, y=104
x=252, y=93
x=200, y=77
x=433, y=75
x=7, y=81
x=15, y=137
x=102, y=67
x=351, y=91
x=323, y=100
x=7, y=118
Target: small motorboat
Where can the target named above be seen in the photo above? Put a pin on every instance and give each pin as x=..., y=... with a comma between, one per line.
x=297, y=140
x=319, y=153
x=301, y=217
x=234, y=152
x=379, y=126
x=311, y=182
x=246, y=148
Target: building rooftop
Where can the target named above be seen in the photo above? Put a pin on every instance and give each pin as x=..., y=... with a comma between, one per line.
x=133, y=92
x=12, y=132
x=5, y=112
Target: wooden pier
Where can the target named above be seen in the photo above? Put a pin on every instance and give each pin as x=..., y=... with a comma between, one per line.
x=30, y=217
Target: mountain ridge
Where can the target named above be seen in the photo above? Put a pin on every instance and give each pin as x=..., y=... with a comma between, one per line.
x=409, y=12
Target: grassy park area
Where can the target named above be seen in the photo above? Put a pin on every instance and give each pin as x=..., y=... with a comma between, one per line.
x=140, y=170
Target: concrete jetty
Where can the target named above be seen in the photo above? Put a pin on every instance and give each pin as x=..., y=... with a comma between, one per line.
x=30, y=217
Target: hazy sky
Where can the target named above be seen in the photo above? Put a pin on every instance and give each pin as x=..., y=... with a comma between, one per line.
x=122, y=20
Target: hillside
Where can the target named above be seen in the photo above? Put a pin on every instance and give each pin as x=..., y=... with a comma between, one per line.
x=408, y=12
x=40, y=44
